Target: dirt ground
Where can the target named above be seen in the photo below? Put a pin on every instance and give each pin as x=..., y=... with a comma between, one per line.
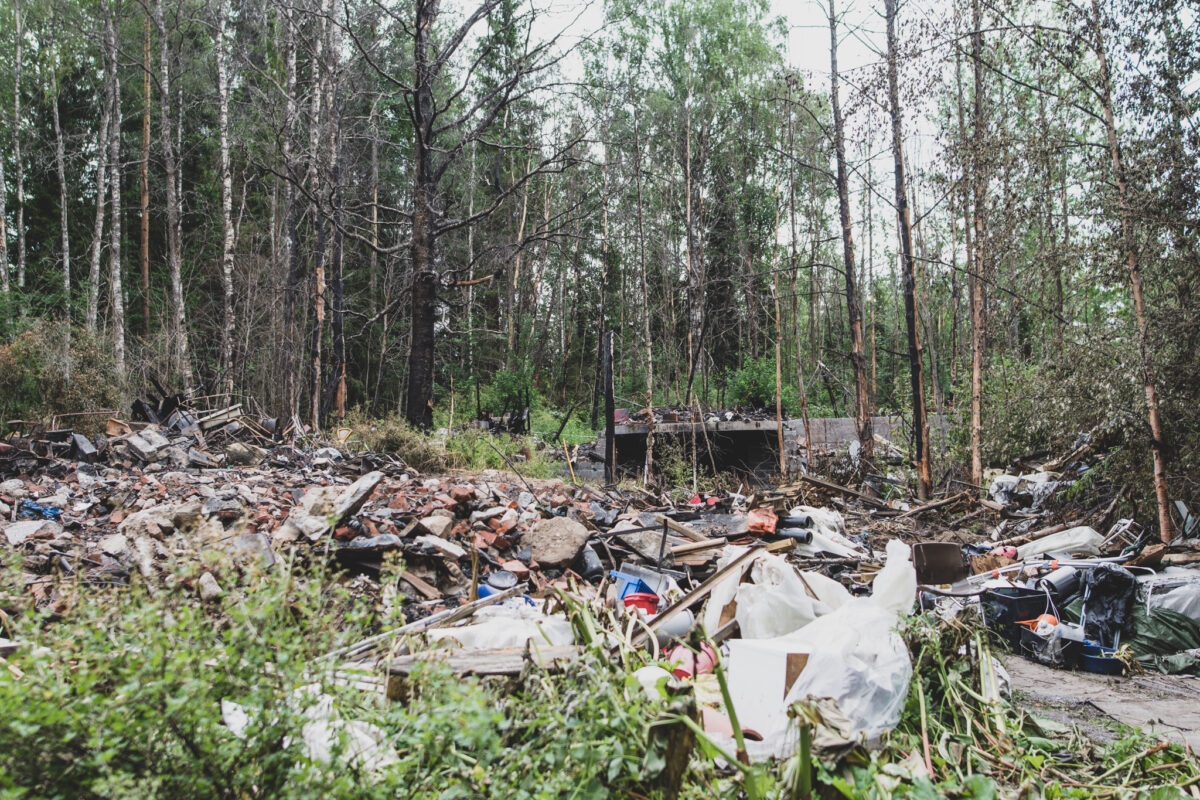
x=1164, y=705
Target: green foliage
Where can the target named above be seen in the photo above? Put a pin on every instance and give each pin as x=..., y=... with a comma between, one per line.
x=465, y=448
x=392, y=434
x=474, y=449
x=754, y=385
x=509, y=391
x=123, y=699
x=37, y=380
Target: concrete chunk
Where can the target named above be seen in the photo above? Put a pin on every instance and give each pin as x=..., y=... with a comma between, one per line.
x=556, y=541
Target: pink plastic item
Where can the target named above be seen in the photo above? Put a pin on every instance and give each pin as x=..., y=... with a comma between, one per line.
x=687, y=663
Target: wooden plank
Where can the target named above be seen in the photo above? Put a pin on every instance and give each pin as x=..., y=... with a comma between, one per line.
x=913, y=512
x=506, y=661
x=833, y=487
x=694, y=547
x=427, y=590
x=699, y=593
x=683, y=530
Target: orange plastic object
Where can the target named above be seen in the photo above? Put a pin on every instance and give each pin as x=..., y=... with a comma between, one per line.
x=762, y=520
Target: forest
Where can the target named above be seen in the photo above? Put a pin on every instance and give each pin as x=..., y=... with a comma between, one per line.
x=418, y=210
x=315, y=313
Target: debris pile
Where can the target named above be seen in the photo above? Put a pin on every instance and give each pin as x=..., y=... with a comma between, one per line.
x=760, y=602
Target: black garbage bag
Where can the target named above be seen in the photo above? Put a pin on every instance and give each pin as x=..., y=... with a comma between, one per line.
x=1108, y=593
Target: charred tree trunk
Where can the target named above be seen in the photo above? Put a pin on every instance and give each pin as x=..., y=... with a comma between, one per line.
x=419, y=401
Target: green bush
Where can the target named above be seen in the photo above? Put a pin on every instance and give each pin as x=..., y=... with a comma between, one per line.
x=37, y=380
x=754, y=385
x=122, y=698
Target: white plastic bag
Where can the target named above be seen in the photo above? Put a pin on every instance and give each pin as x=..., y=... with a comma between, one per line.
x=776, y=601
x=856, y=657
x=1081, y=540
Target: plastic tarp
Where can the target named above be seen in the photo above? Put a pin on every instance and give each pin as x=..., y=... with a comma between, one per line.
x=775, y=601
x=854, y=656
x=1081, y=540
x=1165, y=641
x=1182, y=599
x=324, y=731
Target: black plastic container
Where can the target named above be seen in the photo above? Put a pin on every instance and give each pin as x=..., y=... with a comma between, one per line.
x=1065, y=655
x=1003, y=608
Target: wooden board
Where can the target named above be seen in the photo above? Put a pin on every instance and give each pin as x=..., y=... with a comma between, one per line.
x=506, y=661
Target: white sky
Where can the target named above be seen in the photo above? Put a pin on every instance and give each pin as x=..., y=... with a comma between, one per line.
x=808, y=40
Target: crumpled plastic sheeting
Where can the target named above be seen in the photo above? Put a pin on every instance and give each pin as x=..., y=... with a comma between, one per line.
x=507, y=626
x=1081, y=541
x=776, y=601
x=324, y=732
x=1037, y=486
x=855, y=655
x=1182, y=600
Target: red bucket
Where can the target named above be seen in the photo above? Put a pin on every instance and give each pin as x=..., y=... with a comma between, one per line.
x=646, y=601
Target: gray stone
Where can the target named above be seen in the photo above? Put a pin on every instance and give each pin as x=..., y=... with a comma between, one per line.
x=324, y=508
x=443, y=546
x=14, y=488
x=142, y=447
x=229, y=507
x=437, y=526
x=244, y=454
x=646, y=544
x=115, y=545
x=209, y=588
x=555, y=542
x=155, y=439
x=18, y=532
x=250, y=546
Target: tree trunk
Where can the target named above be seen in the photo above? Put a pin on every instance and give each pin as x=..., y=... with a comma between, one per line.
x=16, y=136
x=291, y=241
x=93, y=289
x=321, y=85
x=419, y=401
x=223, y=86
x=1132, y=260
x=4, y=279
x=975, y=275
x=183, y=357
x=648, y=466
x=862, y=402
x=116, y=294
x=63, y=211
x=695, y=278
x=920, y=423
x=145, y=180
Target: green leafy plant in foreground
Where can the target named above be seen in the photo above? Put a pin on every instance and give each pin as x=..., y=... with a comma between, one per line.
x=122, y=697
